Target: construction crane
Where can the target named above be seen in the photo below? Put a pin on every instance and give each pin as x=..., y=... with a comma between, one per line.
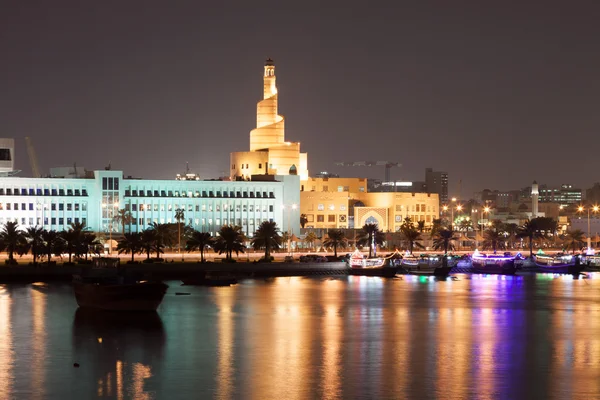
x=387, y=164
x=35, y=171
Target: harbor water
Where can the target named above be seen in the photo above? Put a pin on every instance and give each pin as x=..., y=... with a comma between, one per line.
x=471, y=337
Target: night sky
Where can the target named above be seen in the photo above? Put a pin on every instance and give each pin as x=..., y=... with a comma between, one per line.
x=496, y=95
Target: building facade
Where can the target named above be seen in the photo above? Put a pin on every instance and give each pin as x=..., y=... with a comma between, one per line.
x=344, y=203
x=55, y=203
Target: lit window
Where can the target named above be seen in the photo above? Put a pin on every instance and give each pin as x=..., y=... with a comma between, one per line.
x=320, y=207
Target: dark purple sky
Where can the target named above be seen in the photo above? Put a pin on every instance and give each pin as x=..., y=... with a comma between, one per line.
x=497, y=95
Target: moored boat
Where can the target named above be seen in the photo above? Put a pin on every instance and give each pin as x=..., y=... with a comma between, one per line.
x=378, y=266
x=108, y=286
x=493, y=264
x=559, y=264
x=428, y=264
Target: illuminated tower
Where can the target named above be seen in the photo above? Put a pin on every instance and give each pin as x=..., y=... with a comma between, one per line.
x=534, y=199
x=269, y=152
x=269, y=130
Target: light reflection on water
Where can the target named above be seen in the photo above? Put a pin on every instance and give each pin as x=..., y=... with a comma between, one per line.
x=477, y=336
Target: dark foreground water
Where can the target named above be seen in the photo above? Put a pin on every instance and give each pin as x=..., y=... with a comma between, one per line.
x=479, y=337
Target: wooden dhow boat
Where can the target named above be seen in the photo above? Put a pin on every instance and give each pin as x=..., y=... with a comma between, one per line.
x=377, y=266
x=493, y=264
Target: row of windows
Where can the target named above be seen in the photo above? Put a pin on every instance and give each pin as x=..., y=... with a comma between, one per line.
x=330, y=207
x=109, y=183
x=53, y=206
x=42, y=192
x=197, y=193
x=202, y=221
x=339, y=188
x=416, y=208
x=38, y=221
x=415, y=218
x=200, y=207
x=330, y=218
x=247, y=166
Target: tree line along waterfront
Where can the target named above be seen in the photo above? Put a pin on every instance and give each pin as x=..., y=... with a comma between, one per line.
x=78, y=244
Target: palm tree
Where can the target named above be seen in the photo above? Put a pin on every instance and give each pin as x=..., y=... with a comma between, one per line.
x=10, y=237
x=412, y=236
x=229, y=239
x=369, y=235
x=71, y=241
x=199, y=241
x=420, y=226
x=529, y=230
x=150, y=242
x=164, y=236
x=335, y=239
x=123, y=217
x=511, y=230
x=130, y=243
x=267, y=237
x=90, y=244
x=575, y=239
x=310, y=238
x=179, y=216
x=33, y=234
x=52, y=243
x=443, y=240
x=436, y=226
x=493, y=239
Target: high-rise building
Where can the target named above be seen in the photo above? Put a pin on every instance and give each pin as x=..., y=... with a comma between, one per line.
x=592, y=195
x=566, y=194
x=437, y=182
x=7, y=160
x=269, y=152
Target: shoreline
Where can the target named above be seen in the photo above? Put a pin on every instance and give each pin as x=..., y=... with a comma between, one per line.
x=173, y=270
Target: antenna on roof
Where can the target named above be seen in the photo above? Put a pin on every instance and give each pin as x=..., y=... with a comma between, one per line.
x=108, y=168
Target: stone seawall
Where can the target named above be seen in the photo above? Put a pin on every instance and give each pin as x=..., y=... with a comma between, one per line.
x=176, y=270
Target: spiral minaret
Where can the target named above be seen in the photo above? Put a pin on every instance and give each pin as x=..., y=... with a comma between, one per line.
x=270, y=129
x=269, y=152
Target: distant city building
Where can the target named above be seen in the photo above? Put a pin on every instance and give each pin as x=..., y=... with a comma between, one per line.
x=592, y=195
x=269, y=152
x=437, y=182
x=325, y=174
x=7, y=157
x=565, y=194
x=376, y=185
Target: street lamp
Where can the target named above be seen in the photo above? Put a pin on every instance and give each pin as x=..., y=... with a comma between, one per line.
x=290, y=231
x=594, y=209
x=111, y=215
x=458, y=208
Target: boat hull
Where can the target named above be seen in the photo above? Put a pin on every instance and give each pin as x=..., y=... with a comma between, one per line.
x=385, y=272
x=572, y=269
x=504, y=267
x=143, y=296
x=427, y=271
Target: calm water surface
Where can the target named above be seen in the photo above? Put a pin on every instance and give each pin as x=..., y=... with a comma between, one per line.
x=477, y=337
